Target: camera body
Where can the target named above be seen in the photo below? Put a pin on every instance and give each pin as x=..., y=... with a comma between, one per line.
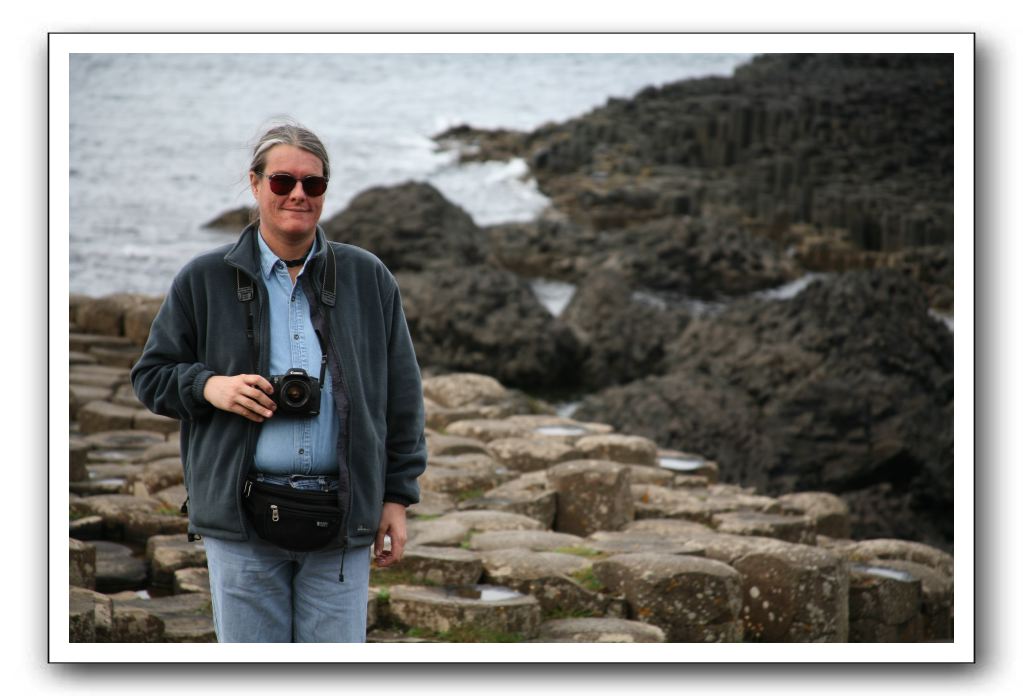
x=296, y=393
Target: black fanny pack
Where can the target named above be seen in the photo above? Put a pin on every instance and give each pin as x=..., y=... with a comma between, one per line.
x=295, y=520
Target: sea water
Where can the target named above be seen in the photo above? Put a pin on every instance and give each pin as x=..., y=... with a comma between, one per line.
x=160, y=143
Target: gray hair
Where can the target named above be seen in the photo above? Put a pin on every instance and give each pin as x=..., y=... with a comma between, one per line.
x=288, y=134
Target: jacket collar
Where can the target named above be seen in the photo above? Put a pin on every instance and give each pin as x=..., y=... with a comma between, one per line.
x=246, y=256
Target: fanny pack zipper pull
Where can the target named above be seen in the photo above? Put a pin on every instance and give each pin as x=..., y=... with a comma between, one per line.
x=274, y=514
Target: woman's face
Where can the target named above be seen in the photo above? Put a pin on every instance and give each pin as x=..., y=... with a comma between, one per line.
x=293, y=216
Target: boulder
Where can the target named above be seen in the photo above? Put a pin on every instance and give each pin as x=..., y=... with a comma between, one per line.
x=937, y=597
x=101, y=416
x=485, y=430
x=446, y=445
x=192, y=580
x=78, y=455
x=526, y=495
x=491, y=521
x=612, y=543
x=154, y=422
x=410, y=226
x=431, y=504
x=690, y=599
x=899, y=550
x=105, y=315
x=153, y=477
x=184, y=618
x=81, y=394
x=436, y=532
x=139, y=319
x=599, y=630
x=102, y=376
x=90, y=616
x=592, y=495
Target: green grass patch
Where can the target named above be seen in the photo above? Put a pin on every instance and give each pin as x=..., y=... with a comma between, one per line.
x=415, y=516
x=469, y=494
x=584, y=551
x=568, y=614
x=167, y=511
x=587, y=579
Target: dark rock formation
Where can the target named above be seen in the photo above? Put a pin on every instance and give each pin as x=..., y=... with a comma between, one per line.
x=844, y=388
x=232, y=220
x=624, y=337
x=483, y=319
x=411, y=227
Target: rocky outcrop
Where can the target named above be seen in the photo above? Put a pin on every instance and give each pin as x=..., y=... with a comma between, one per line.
x=845, y=388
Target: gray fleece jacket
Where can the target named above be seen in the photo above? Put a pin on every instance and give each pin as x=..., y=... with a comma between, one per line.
x=201, y=331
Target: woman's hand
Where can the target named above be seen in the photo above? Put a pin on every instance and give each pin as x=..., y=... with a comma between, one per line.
x=246, y=395
x=392, y=524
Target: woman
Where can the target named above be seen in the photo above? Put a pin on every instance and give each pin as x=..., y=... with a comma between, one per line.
x=289, y=362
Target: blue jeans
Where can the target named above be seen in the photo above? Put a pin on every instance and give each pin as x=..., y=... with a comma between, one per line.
x=264, y=594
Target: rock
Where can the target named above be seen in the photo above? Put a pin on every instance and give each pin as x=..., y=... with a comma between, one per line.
x=431, y=504
x=846, y=387
x=552, y=578
x=117, y=569
x=445, y=445
x=625, y=449
x=192, y=580
x=599, y=630
x=82, y=394
x=899, y=550
x=162, y=450
x=467, y=389
x=828, y=512
x=792, y=528
x=86, y=528
x=532, y=540
x=90, y=616
x=790, y=592
x=169, y=553
x=234, y=220
x=487, y=320
x=77, y=358
x=121, y=356
x=696, y=505
x=492, y=521
x=129, y=517
x=526, y=495
x=105, y=315
x=624, y=336
x=441, y=610
x=690, y=599
x=185, y=618
x=135, y=440
x=154, y=477
x=486, y=430
x=442, y=566
x=98, y=417
x=884, y=606
x=139, y=319
x=78, y=453
x=464, y=482
x=101, y=376
x=410, y=226
x=85, y=342
x=438, y=532
x=82, y=564
x=153, y=422
x=640, y=474
x=592, y=495
x=172, y=498
x=531, y=454
x=669, y=528
x=937, y=598
x=612, y=543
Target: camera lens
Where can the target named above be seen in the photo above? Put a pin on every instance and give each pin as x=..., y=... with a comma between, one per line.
x=295, y=393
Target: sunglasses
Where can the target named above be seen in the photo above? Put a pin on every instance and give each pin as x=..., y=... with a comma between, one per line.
x=282, y=184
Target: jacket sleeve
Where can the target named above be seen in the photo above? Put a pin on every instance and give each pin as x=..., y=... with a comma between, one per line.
x=169, y=379
x=406, y=418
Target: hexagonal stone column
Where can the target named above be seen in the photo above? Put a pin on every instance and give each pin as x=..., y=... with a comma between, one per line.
x=691, y=599
x=597, y=630
x=593, y=495
x=482, y=608
x=884, y=606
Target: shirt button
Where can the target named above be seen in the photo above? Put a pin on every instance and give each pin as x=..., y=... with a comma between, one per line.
x=301, y=451
x=296, y=337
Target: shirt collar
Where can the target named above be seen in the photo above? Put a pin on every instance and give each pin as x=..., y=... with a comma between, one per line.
x=268, y=259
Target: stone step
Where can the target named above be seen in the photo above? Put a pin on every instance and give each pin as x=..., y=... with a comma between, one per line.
x=480, y=609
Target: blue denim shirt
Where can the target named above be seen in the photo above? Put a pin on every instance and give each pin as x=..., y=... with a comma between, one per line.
x=290, y=445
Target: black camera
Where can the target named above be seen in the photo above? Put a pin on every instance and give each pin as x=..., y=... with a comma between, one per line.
x=296, y=393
